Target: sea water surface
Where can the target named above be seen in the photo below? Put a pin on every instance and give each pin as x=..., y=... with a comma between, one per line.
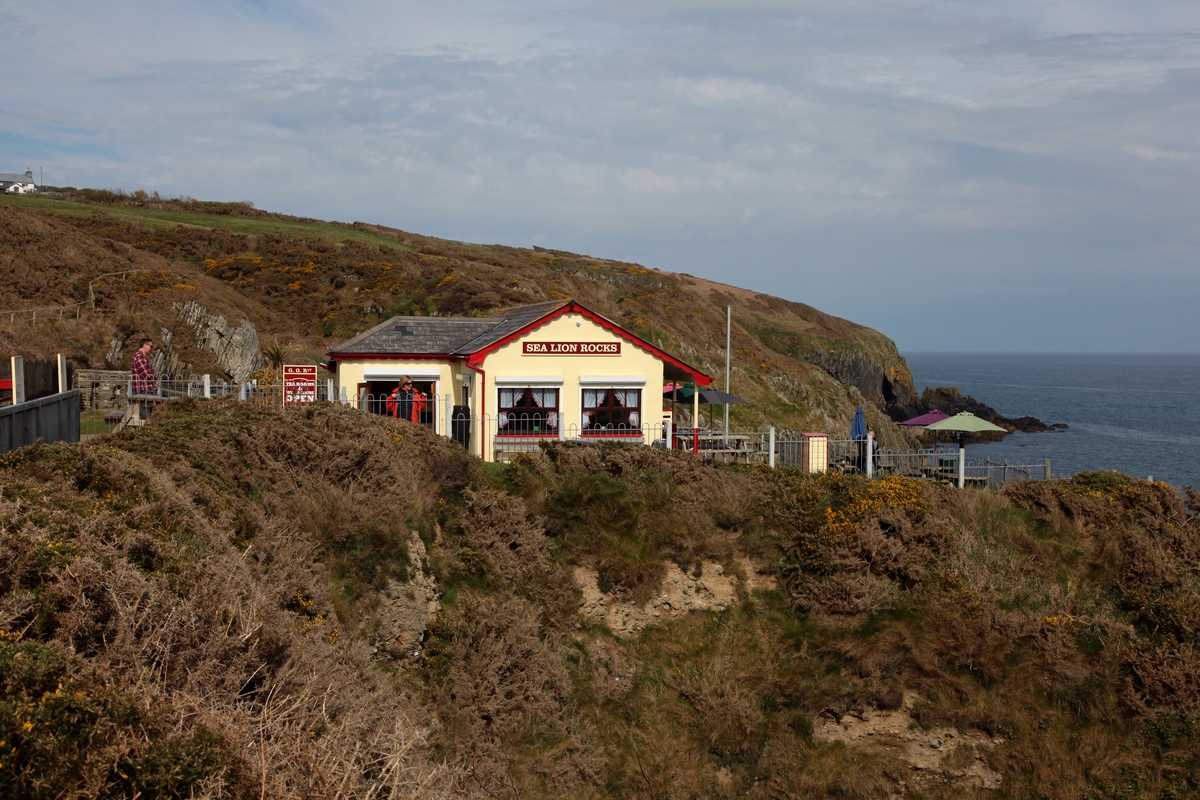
x=1137, y=414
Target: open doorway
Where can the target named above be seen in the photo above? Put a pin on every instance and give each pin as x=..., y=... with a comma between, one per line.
x=373, y=398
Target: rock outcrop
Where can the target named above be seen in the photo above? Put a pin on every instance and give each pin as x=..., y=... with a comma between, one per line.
x=714, y=589
x=236, y=349
x=938, y=756
x=407, y=609
x=952, y=401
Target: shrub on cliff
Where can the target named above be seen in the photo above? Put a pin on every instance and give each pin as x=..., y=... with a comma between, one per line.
x=214, y=566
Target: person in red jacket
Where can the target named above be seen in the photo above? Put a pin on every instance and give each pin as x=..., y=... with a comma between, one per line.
x=418, y=403
x=393, y=400
x=405, y=402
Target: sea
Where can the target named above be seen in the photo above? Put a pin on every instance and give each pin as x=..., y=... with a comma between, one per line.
x=1136, y=414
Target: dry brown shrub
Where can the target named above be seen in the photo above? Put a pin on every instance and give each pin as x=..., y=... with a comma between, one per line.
x=496, y=541
x=1163, y=675
x=628, y=509
x=496, y=526
x=845, y=594
x=498, y=677
x=727, y=704
x=614, y=667
x=189, y=606
x=889, y=654
x=835, y=771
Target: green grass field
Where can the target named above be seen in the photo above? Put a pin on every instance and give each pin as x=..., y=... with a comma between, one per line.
x=92, y=421
x=166, y=218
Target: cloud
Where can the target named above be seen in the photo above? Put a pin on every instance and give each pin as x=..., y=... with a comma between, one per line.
x=766, y=143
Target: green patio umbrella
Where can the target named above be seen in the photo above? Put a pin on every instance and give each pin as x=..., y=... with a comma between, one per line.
x=963, y=422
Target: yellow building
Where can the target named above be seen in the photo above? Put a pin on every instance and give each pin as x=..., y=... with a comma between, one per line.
x=501, y=384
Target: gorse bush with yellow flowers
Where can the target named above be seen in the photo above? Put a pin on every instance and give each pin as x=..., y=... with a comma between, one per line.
x=62, y=731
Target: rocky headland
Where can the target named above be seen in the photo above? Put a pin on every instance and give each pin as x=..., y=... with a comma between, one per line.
x=952, y=401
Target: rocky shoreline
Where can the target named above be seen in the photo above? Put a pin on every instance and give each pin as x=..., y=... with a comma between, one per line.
x=952, y=401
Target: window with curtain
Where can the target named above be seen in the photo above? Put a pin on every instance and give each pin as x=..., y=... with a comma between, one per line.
x=528, y=412
x=612, y=411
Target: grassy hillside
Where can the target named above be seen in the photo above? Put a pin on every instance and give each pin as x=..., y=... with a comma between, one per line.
x=220, y=604
x=306, y=285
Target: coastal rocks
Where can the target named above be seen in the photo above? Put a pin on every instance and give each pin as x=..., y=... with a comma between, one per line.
x=407, y=609
x=936, y=756
x=880, y=375
x=714, y=589
x=952, y=401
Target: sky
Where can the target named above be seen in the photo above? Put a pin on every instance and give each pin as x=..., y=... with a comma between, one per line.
x=962, y=176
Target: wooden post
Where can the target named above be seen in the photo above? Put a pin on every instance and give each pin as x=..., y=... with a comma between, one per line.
x=62, y=374
x=1047, y=469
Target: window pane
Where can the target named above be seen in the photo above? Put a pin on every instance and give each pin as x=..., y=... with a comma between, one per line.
x=528, y=412
x=615, y=410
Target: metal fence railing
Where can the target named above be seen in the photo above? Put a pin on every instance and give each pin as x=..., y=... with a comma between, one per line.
x=938, y=464
x=501, y=436
x=48, y=419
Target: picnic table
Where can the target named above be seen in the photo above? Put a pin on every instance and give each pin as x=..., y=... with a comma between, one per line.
x=715, y=446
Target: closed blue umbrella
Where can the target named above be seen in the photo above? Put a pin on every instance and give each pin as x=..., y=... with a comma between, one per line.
x=859, y=429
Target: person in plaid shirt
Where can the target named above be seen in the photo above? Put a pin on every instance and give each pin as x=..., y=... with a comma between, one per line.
x=145, y=379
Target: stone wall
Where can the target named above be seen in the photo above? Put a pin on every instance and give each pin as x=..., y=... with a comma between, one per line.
x=102, y=388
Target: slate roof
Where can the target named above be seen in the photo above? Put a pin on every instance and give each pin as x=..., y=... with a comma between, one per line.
x=13, y=177
x=453, y=336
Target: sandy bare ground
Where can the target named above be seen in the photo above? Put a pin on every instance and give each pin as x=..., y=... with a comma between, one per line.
x=714, y=589
x=937, y=756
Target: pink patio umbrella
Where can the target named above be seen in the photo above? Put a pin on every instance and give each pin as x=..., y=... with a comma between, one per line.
x=927, y=419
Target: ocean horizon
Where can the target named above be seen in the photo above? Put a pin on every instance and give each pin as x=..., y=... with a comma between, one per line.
x=1136, y=413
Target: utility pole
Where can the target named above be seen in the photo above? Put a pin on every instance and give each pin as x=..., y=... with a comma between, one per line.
x=728, y=323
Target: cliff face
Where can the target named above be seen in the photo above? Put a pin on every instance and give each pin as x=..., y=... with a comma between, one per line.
x=310, y=284
x=855, y=355
x=885, y=382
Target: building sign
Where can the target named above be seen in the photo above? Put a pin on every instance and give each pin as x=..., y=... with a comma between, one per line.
x=299, y=384
x=571, y=348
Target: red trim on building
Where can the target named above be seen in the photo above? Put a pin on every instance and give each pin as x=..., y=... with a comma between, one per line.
x=478, y=356
x=482, y=408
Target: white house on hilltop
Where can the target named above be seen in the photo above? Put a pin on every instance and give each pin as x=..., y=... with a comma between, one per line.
x=12, y=183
